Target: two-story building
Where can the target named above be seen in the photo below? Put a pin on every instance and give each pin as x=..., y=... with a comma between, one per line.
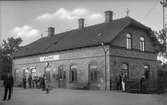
x=92, y=56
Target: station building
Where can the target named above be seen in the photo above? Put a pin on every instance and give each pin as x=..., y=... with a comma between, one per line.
x=92, y=56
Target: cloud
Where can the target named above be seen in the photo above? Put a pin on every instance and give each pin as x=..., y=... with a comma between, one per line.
x=95, y=16
x=64, y=14
x=26, y=32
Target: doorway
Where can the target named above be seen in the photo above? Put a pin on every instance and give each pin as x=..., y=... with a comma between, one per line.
x=61, y=77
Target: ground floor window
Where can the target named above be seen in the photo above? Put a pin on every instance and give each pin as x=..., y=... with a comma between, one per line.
x=73, y=73
x=93, y=72
x=146, y=71
x=125, y=70
x=60, y=72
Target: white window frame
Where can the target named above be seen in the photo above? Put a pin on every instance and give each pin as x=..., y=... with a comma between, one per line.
x=129, y=41
x=142, y=44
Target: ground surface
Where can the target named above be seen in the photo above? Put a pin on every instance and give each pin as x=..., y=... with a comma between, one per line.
x=80, y=97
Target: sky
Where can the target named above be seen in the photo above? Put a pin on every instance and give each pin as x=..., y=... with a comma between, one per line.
x=30, y=19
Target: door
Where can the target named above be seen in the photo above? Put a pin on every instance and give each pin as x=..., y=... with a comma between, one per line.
x=61, y=77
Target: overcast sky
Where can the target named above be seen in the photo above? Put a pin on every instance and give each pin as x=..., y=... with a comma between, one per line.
x=30, y=19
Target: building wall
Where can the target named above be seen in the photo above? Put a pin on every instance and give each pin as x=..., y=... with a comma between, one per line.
x=80, y=57
x=135, y=58
x=136, y=69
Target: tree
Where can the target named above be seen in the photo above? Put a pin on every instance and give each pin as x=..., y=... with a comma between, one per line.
x=161, y=37
x=10, y=46
x=7, y=48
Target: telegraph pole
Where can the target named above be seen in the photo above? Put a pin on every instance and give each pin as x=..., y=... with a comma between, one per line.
x=164, y=5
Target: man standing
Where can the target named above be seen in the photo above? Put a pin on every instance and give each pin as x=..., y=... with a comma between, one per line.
x=29, y=81
x=43, y=82
x=8, y=85
x=24, y=82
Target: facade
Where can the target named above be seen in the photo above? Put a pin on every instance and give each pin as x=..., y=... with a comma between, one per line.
x=91, y=56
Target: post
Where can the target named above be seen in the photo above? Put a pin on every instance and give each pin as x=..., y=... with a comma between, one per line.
x=105, y=65
x=164, y=4
x=105, y=71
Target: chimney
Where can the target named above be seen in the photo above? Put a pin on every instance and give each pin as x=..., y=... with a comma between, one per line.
x=108, y=16
x=51, y=31
x=81, y=23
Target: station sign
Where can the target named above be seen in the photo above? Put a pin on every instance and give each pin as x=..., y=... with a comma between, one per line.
x=49, y=58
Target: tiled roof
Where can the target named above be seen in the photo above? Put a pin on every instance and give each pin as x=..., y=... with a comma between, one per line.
x=88, y=36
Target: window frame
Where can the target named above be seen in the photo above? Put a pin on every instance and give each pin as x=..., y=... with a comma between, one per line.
x=147, y=71
x=142, y=43
x=123, y=70
x=73, y=76
x=129, y=41
x=93, y=72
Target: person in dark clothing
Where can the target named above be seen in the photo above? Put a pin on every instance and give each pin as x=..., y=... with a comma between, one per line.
x=8, y=85
x=142, y=85
x=29, y=81
x=119, y=82
x=24, y=82
x=36, y=81
x=43, y=83
x=40, y=82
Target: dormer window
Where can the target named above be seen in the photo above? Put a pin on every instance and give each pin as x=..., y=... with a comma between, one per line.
x=128, y=41
x=142, y=44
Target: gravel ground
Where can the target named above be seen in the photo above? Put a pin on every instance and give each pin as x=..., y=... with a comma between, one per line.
x=81, y=97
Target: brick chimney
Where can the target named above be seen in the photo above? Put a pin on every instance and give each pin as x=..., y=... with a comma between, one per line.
x=51, y=31
x=108, y=16
x=81, y=23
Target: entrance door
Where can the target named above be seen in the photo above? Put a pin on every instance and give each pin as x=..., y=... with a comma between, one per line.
x=61, y=77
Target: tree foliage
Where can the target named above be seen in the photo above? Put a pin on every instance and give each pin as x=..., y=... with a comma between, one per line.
x=7, y=48
x=10, y=46
x=161, y=37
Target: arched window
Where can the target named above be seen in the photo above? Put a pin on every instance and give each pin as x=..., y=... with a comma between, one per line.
x=142, y=44
x=146, y=71
x=93, y=72
x=125, y=69
x=128, y=41
x=73, y=73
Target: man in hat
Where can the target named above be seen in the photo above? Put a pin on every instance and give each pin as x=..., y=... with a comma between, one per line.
x=8, y=85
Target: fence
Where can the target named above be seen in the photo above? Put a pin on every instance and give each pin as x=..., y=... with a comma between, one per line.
x=162, y=79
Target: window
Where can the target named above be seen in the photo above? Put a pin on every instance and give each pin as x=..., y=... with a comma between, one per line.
x=142, y=44
x=125, y=69
x=146, y=71
x=128, y=41
x=60, y=72
x=93, y=76
x=73, y=73
x=93, y=72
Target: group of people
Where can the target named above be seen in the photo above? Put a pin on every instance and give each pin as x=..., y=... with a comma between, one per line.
x=121, y=82
x=8, y=84
x=36, y=82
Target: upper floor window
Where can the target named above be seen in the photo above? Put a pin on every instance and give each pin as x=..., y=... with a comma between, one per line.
x=128, y=41
x=142, y=44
